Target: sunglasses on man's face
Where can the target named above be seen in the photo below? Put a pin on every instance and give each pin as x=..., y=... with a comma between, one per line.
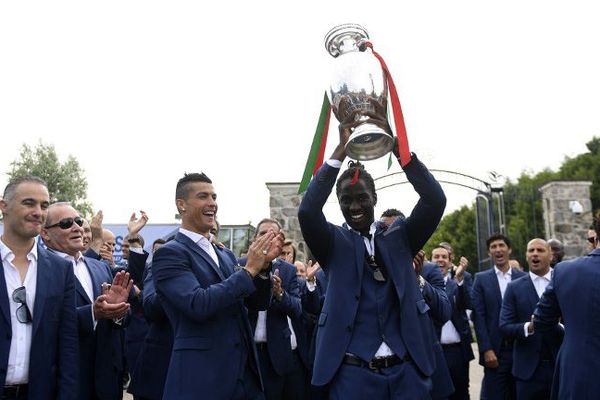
x=23, y=313
x=66, y=223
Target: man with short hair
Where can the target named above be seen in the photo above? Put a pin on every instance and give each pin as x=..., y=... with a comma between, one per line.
x=573, y=297
x=390, y=215
x=495, y=350
x=207, y=298
x=456, y=333
x=534, y=353
x=374, y=339
x=100, y=306
x=38, y=350
x=558, y=251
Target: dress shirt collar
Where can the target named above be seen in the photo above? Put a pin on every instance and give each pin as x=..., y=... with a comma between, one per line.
x=197, y=238
x=502, y=274
x=66, y=256
x=8, y=255
x=547, y=277
x=372, y=228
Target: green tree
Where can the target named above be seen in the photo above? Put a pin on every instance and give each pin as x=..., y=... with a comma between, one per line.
x=66, y=181
x=458, y=229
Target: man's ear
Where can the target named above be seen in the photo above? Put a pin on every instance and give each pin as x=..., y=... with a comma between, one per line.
x=3, y=206
x=374, y=199
x=180, y=203
x=45, y=236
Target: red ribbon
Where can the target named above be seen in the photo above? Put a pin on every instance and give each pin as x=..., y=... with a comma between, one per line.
x=403, y=148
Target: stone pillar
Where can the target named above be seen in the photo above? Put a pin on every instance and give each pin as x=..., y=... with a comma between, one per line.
x=283, y=202
x=568, y=214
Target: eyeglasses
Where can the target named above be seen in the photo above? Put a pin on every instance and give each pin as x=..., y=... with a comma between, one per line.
x=23, y=313
x=592, y=240
x=66, y=223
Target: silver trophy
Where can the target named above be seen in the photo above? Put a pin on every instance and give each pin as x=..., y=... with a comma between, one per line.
x=358, y=83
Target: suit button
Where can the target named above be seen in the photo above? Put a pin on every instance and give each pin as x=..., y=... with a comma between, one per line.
x=349, y=328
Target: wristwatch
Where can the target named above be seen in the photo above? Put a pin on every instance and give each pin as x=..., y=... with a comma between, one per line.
x=421, y=282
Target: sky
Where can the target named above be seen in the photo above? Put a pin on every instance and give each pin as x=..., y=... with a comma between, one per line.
x=142, y=91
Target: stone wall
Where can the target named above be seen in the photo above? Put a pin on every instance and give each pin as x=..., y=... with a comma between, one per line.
x=283, y=202
x=562, y=218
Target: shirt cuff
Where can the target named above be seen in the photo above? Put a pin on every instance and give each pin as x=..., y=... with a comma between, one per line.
x=311, y=286
x=525, y=327
x=138, y=250
x=334, y=163
x=94, y=322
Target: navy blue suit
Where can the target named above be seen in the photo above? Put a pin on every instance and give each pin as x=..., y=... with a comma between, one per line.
x=458, y=356
x=533, y=356
x=150, y=372
x=487, y=302
x=213, y=352
x=53, y=372
x=434, y=293
x=101, y=349
x=573, y=295
x=277, y=360
x=341, y=253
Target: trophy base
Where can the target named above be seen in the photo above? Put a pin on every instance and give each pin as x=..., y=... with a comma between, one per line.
x=368, y=142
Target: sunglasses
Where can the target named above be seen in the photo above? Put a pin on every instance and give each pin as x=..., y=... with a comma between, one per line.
x=66, y=223
x=592, y=240
x=23, y=313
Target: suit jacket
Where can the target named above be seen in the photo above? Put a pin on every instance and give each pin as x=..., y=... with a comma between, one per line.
x=278, y=331
x=150, y=372
x=341, y=253
x=53, y=371
x=205, y=305
x=573, y=294
x=137, y=326
x=518, y=305
x=100, y=349
x=487, y=302
x=461, y=300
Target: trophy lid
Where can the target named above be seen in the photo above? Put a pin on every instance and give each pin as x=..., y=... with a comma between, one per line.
x=338, y=34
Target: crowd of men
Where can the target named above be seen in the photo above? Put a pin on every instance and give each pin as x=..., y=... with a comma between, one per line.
x=369, y=318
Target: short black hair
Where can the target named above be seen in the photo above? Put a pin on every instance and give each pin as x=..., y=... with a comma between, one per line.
x=498, y=236
x=9, y=190
x=355, y=167
x=183, y=185
x=392, y=212
x=158, y=241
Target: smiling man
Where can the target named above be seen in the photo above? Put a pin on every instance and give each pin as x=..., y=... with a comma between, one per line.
x=495, y=350
x=375, y=339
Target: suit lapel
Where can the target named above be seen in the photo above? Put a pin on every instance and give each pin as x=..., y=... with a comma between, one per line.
x=531, y=292
x=195, y=248
x=224, y=265
x=496, y=286
x=4, y=305
x=359, y=250
x=43, y=280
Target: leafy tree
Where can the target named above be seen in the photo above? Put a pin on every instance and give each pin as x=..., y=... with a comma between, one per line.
x=66, y=181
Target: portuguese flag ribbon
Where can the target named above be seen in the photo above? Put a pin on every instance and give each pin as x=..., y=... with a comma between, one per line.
x=317, y=149
x=403, y=148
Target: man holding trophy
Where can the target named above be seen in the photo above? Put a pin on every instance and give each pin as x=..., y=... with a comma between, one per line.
x=374, y=335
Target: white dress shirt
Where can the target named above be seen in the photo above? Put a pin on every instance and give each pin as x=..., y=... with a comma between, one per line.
x=503, y=279
x=83, y=276
x=449, y=333
x=204, y=243
x=539, y=283
x=17, y=371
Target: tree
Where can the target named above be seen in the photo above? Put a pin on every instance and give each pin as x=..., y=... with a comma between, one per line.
x=66, y=181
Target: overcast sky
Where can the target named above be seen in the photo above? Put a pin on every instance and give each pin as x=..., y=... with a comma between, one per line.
x=142, y=91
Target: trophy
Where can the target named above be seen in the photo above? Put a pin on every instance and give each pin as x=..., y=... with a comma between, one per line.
x=359, y=85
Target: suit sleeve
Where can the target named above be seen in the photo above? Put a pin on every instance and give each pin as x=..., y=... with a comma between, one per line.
x=434, y=293
x=317, y=232
x=510, y=326
x=547, y=313
x=136, y=266
x=478, y=316
x=290, y=303
x=428, y=211
x=176, y=283
x=153, y=310
x=68, y=352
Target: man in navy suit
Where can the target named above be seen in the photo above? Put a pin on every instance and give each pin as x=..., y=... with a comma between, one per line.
x=573, y=295
x=100, y=306
x=495, y=350
x=375, y=338
x=276, y=340
x=455, y=335
x=38, y=348
x=205, y=297
x=534, y=352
